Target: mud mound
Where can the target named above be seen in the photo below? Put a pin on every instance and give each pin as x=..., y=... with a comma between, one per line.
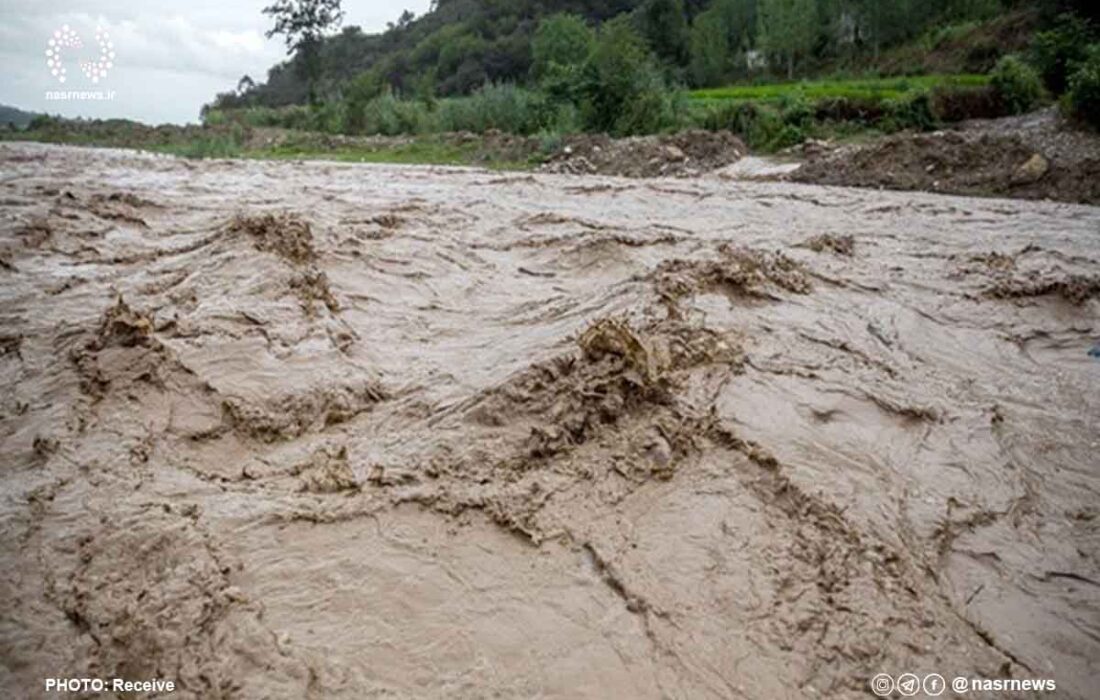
x=623, y=381
x=327, y=471
x=737, y=271
x=122, y=348
x=685, y=154
x=286, y=416
x=287, y=235
x=836, y=244
x=1076, y=289
x=1032, y=272
x=968, y=162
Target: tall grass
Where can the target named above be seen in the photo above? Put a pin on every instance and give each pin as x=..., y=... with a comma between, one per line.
x=505, y=107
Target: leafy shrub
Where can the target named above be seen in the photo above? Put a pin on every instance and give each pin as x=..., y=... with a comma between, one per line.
x=1084, y=88
x=620, y=82
x=796, y=110
x=789, y=135
x=649, y=111
x=1054, y=50
x=757, y=125
x=560, y=41
x=911, y=112
x=389, y=116
x=1017, y=85
x=503, y=107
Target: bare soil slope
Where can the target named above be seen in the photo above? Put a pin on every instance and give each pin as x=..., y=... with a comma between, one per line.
x=1035, y=156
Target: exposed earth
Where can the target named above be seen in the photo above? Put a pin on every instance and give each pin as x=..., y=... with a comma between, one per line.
x=279, y=429
x=1034, y=156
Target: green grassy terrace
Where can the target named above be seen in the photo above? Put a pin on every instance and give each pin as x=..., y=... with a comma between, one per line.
x=862, y=89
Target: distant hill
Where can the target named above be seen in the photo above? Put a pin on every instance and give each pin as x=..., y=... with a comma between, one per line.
x=13, y=115
x=456, y=47
x=460, y=45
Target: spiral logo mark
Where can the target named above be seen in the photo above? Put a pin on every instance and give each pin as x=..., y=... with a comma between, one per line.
x=67, y=38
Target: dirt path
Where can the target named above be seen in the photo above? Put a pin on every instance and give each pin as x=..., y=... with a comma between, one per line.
x=315, y=430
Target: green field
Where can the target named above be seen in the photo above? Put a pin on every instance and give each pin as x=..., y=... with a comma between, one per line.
x=866, y=88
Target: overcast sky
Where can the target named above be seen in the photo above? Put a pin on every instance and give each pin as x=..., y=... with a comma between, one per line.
x=170, y=57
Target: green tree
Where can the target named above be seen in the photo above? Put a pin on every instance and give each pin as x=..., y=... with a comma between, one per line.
x=665, y=29
x=1056, y=50
x=622, y=91
x=302, y=23
x=710, y=50
x=886, y=21
x=719, y=35
x=560, y=40
x=787, y=28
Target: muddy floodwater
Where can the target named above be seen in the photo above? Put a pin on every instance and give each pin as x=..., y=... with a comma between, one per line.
x=285, y=430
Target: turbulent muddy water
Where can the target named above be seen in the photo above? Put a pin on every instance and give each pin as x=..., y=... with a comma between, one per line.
x=317, y=430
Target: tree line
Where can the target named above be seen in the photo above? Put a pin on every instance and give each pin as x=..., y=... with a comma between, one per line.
x=461, y=45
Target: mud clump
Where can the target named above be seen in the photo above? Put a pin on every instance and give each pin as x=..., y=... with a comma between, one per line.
x=737, y=271
x=837, y=244
x=293, y=414
x=291, y=238
x=1076, y=289
x=121, y=326
x=685, y=154
x=613, y=337
x=121, y=207
x=621, y=372
x=327, y=471
x=122, y=347
x=311, y=286
x=11, y=345
x=286, y=235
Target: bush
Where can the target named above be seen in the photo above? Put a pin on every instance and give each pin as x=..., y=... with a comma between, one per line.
x=789, y=135
x=910, y=112
x=621, y=83
x=389, y=116
x=1054, y=51
x=1017, y=85
x=796, y=110
x=504, y=107
x=560, y=41
x=757, y=125
x=1084, y=88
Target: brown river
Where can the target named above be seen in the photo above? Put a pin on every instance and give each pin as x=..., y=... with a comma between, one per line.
x=286, y=430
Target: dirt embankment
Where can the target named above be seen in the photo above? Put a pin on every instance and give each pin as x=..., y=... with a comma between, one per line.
x=283, y=429
x=684, y=154
x=1032, y=157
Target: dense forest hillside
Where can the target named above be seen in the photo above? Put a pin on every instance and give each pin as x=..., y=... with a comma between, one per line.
x=460, y=45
